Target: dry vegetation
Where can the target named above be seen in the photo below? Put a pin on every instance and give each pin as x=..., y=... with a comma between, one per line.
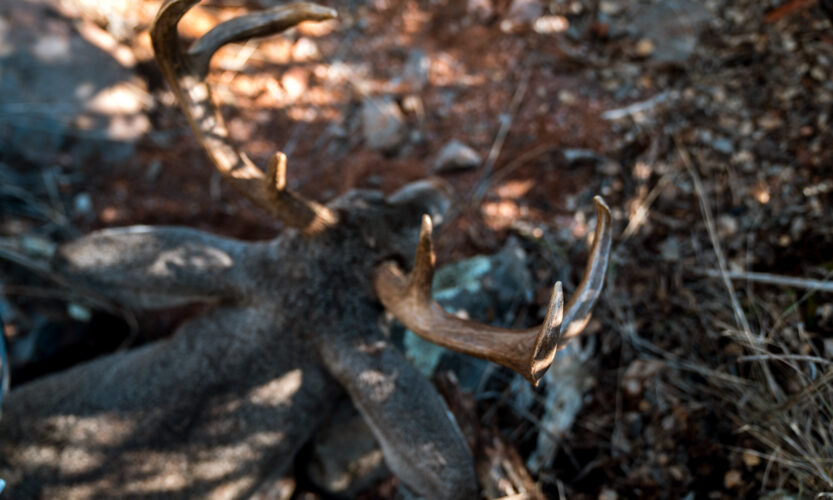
x=713, y=366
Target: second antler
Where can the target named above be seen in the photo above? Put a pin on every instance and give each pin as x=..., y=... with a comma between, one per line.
x=185, y=72
x=529, y=352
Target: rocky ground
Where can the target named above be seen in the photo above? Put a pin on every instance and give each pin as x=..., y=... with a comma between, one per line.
x=707, y=370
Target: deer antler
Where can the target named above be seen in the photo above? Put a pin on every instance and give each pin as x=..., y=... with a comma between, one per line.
x=529, y=352
x=185, y=72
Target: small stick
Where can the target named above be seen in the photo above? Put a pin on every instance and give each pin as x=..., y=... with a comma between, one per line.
x=637, y=107
x=772, y=279
x=505, y=124
x=740, y=316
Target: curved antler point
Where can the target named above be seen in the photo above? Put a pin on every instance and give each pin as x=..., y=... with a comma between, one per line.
x=549, y=336
x=423, y=271
x=427, y=227
x=601, y=205
x=277, y=171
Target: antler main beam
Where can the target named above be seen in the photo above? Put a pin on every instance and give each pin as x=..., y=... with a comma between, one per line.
x=185, y=73
x=529, y=352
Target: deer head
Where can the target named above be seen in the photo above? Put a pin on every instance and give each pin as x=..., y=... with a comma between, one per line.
x=221, y=407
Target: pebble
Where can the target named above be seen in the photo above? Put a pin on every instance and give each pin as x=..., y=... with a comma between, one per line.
x=456, y=156
x=383, y=124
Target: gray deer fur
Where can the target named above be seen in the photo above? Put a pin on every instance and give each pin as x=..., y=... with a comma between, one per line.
x=220, y=409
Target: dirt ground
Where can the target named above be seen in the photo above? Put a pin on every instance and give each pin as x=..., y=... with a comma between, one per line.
x=711, y=371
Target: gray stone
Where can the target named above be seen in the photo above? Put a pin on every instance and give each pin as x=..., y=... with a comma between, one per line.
x=524, y=12
x=456, y=156
x=674, y=27
x=724, y=146
x=61, y=94
x=415, y=72
x=568, y=380
x=383, y=124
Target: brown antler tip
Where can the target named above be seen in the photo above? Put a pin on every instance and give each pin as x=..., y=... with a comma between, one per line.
x=423, y=271
x=277, y=171
x=318, y=12
x=546, y=344
x=426, y=228
x=601, y=205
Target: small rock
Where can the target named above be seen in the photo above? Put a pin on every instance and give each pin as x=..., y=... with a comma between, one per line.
x=521, y=13
x=724, y=146
x=639, y=372
x=824, y=317
x=610, y=8
x=644, y=47
x=670, y=249
x=415, y=72
x=733, y=479
x=568, y=380
x=751, y=459
x=79, y=312
x=412, y=104
x=567, y=97
x=828, y=348
x=770, y=121
x=305, y=49
x=383, y=124
x=525, y=11
x=549, y=25
x=82, y=204
x=608, y=494
x=456, y=156
x=673, y=27
x=727, y=225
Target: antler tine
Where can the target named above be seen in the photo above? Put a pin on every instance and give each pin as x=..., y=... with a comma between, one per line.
x=529, y=352
x=580, y=307
x=185, y=73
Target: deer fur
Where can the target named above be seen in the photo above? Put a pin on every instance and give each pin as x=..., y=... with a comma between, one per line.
x=222, y=407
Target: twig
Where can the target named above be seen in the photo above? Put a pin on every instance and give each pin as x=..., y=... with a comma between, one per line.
x=105, y=304
x=637, y=107
x=506, y=121
x=786, y=357
x=641, y=213
x=740, y=316
x=31, y=264
x=771, y=279
x=787, y=9
x=523, y=159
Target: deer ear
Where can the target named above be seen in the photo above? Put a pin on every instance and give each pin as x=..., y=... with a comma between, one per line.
x=153, y=267
x=430, y=196
x=421, y=441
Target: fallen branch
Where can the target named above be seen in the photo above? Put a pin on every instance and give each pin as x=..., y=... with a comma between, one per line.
x=771, y=279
